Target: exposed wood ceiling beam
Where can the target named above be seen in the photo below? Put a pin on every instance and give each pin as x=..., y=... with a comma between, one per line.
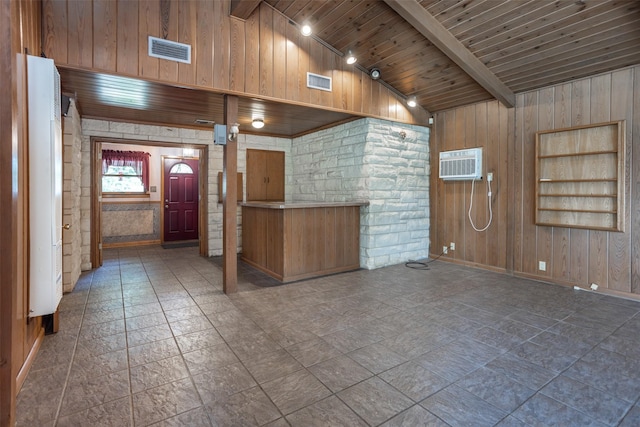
x=243, y=8
x=437, y=34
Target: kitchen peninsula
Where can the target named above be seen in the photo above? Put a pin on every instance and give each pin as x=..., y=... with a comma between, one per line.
x=294, y=241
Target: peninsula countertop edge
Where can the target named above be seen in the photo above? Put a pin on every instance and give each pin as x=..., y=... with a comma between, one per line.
x=302, y=205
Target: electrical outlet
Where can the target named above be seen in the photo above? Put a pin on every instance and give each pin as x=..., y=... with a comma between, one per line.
x=452, y=246
x=542, y=266
x=445, y=250
x=490, y=176
x=594, y=287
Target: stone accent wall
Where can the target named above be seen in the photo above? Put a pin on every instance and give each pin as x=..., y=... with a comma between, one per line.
x=130, y=222
x=370, y=160
x=71, y=198
x=179, y=136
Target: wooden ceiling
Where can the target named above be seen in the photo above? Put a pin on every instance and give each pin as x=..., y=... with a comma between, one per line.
x=105, y=96
x=447, y=53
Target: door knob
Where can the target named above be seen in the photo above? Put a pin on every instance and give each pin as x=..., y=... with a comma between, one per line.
x=166, y=206
x=66, y=226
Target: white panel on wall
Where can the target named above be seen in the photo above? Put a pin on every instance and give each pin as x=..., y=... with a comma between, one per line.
x=45, y=187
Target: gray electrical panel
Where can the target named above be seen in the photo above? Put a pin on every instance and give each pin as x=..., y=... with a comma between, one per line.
x=220, y=134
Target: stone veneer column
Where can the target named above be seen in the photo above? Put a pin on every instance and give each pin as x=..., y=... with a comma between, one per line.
x=369, y=159
x=71, y=194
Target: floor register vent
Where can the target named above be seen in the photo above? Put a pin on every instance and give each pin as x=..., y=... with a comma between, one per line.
x=166, y=49
x=316, y=81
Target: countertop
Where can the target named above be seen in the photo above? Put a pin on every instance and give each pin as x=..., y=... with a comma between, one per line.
x=301, y=205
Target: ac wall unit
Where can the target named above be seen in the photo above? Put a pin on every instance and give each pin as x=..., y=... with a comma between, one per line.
x=45, y=186
x=461, y=164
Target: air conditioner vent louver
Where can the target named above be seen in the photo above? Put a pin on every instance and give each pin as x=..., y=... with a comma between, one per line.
x=316, y=81
x=166, y=49
x=461, y=164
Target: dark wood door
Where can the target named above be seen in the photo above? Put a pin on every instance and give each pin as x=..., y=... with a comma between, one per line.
x=180, y=199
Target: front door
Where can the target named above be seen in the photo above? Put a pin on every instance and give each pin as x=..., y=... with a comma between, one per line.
x=180, y=199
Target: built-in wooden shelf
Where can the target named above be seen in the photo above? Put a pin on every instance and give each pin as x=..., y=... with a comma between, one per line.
x=580, y=177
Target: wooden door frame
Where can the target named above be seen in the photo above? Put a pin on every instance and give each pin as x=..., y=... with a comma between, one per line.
x=203, y=188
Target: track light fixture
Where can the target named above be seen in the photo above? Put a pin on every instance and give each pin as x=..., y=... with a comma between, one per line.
x=350, y=58
x=305, y=30
x=375, y=73
x=412, y=101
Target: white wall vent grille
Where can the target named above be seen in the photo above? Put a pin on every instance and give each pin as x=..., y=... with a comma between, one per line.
x=461, y=164
x=316, y=81
x=166, y=49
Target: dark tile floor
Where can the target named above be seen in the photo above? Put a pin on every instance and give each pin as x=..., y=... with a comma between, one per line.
x=150, y=339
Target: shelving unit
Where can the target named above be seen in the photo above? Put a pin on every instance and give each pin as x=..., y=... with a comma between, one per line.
x=580, y=177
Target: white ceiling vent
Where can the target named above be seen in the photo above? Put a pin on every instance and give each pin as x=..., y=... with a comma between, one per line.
x=166, y=49
x=316, y=81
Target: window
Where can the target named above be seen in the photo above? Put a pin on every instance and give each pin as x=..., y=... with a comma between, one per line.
x=125, y=172
x=181, y=168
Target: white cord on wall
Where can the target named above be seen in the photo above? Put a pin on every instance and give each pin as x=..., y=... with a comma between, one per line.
x=489, y=201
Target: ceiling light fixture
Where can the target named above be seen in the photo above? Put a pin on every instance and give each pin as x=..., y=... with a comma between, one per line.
x=412, y=101
x=305, y=30
x=375, y=73
x=351, y=59
x=257, y=123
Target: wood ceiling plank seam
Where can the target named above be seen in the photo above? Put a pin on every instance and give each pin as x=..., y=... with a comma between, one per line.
x=398, y=42
x=559, y=37
x=466, y=32
x=570, y=61
x=567, y=75
x=368, y=25
x=515, y=30
x=416, y=55
x=441, y=68
x=377, y=49
x=442, y=8
x=334, y=20
x=454, y=76
x=444, y=95
x=453, y=104
x=561, y=54
x=529, y=31
x=514, y=19
x=468, y=14
x=289, y=8
x=319, y=14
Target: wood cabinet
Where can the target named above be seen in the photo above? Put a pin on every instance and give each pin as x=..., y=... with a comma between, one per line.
x=265, y=175
x=580, y=177
x=297, y=241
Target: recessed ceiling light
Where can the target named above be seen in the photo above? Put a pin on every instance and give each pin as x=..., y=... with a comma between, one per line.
x=375, y=73
x=257, y=123
x=305, y=30
x=350, y=58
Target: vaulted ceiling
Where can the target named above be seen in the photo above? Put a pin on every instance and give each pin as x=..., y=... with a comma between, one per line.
x=446, y=53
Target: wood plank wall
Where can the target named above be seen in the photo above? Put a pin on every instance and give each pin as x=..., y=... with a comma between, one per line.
x=572, y=256
x=264, y=56
x=20, y=24
x=480, y=125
